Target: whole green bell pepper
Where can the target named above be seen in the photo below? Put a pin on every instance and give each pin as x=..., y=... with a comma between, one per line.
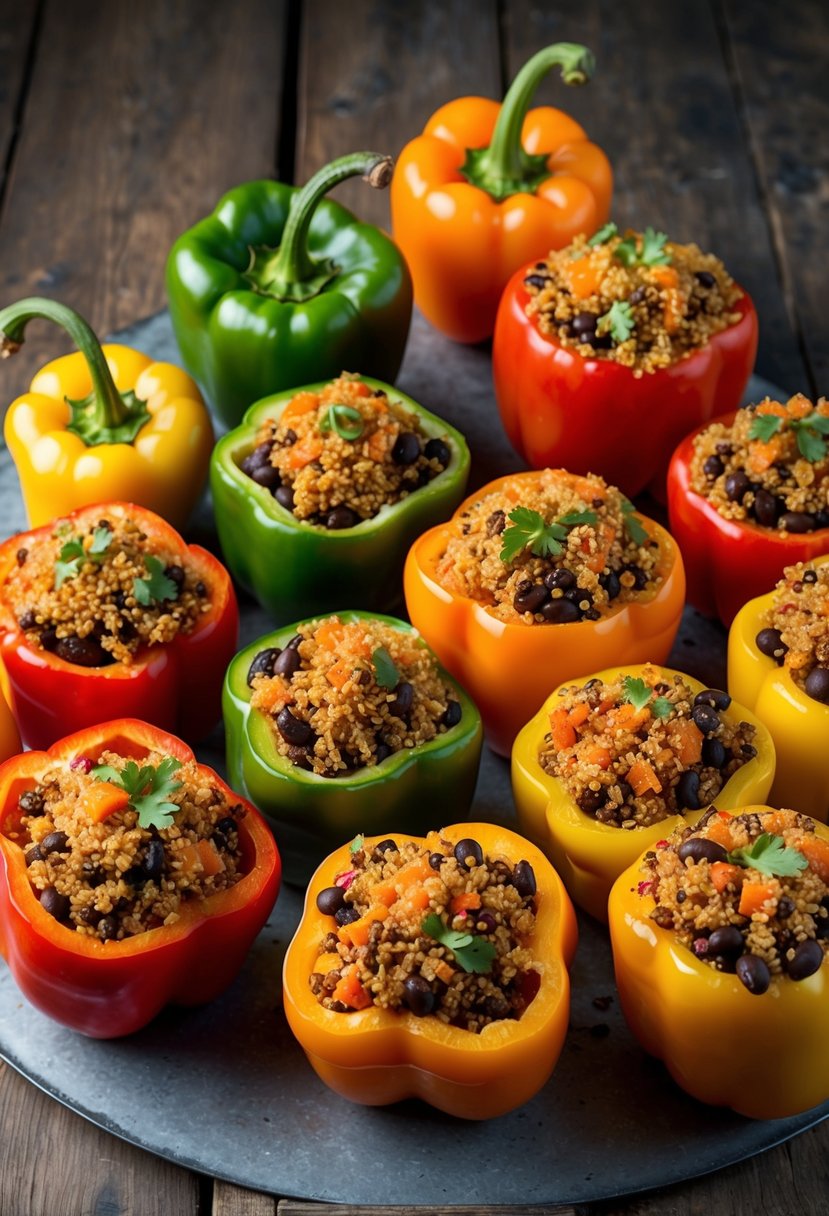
x=411, y=791
x=293, y=567
x=280, y=286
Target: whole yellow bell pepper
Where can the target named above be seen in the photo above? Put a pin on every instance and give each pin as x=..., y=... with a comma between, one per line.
x=590, y=855
x=764, y=1056
x=799, y=725
x=104, y=423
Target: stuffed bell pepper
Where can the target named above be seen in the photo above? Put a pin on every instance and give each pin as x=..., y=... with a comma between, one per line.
x=433, y=968
x=607, y=353
x=326, y=487
x=347, y=724
x=778, y=663
x=720, y=936
x=611, y=765
x=106, y=422
x=748, y=496
x=130, y=877
x=107, y=612
x=538, y=578
x=487, y=187
x=281, y=286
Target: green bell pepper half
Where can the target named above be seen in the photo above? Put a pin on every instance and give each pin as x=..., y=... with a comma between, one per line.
x=293, y=567
x=411, y=791
x=280, y=286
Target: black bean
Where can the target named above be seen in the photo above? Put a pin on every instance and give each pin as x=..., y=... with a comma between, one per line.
x=257, y=459
x=406, y=448
x=753, y=973
x=687, y=790
x=30, y=802
x=798, y=521
x=700, y=849
x=287, y=663
x=436, y=860
x=589, y=800
x=263, y=663
x=640, y=579
x=200, y=589
x=636, y=296
x=765, y=508
x=267, y=476
x=810, y=576
x=611, y=584
x=330, y=900
x=341, y=517
x=83, y=652
x=770, y=643
x=560, y=612
x=93, y=875
x=35, y=853
x=580, y=597
x=346, y=915
x=403, y=698
x=822, y=929
x=817, y=685
x=531, y=599
x=705, y=279
x=49, y=638
x=226, y=825
x=298, y=756
x=807, y=959
x=706, y=718
x=20, y=556
x=496, y=523
x=560, y=579
x=108, y=928
x=726, y=940
x=284, y=495
x=785, y=907
x=468, y=853
x=822, y=518
x=418, y=996
x=605, y=342
x=713, y=467
x=292, y=729
x=439, y=450
x=55, y=842
x=28, y=620
x=152, y=863
x=714, y=753
x=736, y=486
x=584, y=324
x=523, y=879
x=452, y=714
x=89, y=916
x=383, y=751
x=176, y=575
x=715, y=697
x=55, y=904
x=748, y=750
x=295, y=642
x=386, y=846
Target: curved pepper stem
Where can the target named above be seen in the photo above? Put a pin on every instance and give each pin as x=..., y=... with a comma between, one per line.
x=290, y=272
x=504, y=168
x=106, y=415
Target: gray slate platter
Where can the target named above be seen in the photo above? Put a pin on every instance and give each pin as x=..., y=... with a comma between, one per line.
x=225, y=1089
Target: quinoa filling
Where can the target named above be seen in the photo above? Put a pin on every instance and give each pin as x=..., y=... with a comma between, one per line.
x=770, y=466
x=95, y=595
x=795, y=632
x=431, y=929
x=640, y=749
x=336, y=456
x=551, y=549
x=115, y=849
x=635, y=299
x=344, y=695
x=747, y=894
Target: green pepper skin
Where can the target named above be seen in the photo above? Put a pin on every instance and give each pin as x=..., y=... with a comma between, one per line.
x=411, y=791
x=240, y=344
x=292, y=567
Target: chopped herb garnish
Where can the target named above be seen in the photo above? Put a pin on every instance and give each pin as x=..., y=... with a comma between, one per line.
x=73, y=554
x=344, y=419
x=771, y=856
x=157, y=587
x=472, y=953
x=544, y=540
x=149, y=788
x=356, y=844
x=652, y=252
x=617, y=321
x=809, y=432
x=385, y=672
x=631, y=524
x=604, y=234
x=637, y=692
x=763, y=426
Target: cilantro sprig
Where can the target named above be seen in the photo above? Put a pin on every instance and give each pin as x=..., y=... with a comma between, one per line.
x=637, y=692
x=604, y=234
x=543, y=540
x=344, y=420
x=385, y=672
x=157, y=586
x=770, y=856
x=809, y=432
x=149, y=787
x=617, y=321
x=473, y=954
x=73, y=554
x=631, y=524
x=652, y=251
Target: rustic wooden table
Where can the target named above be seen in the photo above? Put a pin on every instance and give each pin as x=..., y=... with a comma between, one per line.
x=121, y=124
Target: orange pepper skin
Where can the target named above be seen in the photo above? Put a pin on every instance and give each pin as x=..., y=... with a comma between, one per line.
x=377, y=1056
x=508, y=669
x=590, y=855
x=764, y=1056
x=594, y=415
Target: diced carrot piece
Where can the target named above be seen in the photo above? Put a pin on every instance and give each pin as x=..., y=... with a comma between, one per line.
x=210, y=857
x=103, y=799
x=354, y=640
x=579, y=713
x=327, y=962
x=188, y=858
x=772, y=407
x=416, y=898
x=384, y=893
x=378, y=446
x=816, y=852
x=798, y=406
x=665, y=276
x=340, y=673
x=776, y=822
x=754, y=895
x=722, y=873
x=443, y=971
x=628, y=717
x=329, y=633
x=465, y=902
x=360, y=389
x=583, y=278
x=350, y=991
x=563, y=732
x=762, y=455
x=302, y=403
x=642, y=778
x=605, y=707
x=673, y=311
x=687, y=735
x=416, y=871
x=718, y=830
x=594, y=754
x=356, y=934
x=273, y=694
x=303, y=452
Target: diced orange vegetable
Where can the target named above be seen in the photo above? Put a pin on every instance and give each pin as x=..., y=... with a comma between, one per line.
x=816, y=852
x=329, y=634
x=772, y=407
x=340, y=673
x=350, y=991
x=719, y=831
x=360, y=389
x=465, y=902
x=628, y=717
x=356, y=934
x=210, y=858
x=103, y=799
x=583, y=277
x=722, y=873
x=416, y=871
x=665, y=276
x=563, y=732
x=327, y=962
x=594, y=754
x=688, y=737
x=579, y=713
x=384, y=893
x=416, y=898
x=762, y=455
x=443, y=971
x=754, y=895
x=604, y=536
x=188, y=858
x=642, y=778
x=303, y=452
x=302, y=403
x=377, y=446
x=274, y=695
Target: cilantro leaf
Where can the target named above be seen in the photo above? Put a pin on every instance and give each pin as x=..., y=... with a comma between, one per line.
x=617, y=321
x=661, y=707
x=631, y=524
x=574, y=518
x=530, y=531
x=101, y=540
x=810, y=432
x=763, y=426
x=473, y=954
x=771, y=856
x=73, y=554
x=344, y=419
x=385, y=672
x=604, y=234
x=148, y=787
x=626, y=251
x=157, y=587
x=653, y=248
x=636, y=691
x=356, y=844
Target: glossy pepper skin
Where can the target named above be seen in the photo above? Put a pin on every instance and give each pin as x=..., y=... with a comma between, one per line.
x=509, y=668
x=177, y=686
x=799, y=725
x=728, y=561
x=109, y=989
x=408, y=790
x=594, y=415
x=764, y=1056
x=293, y=567
x=590, y=855
x=378, y=1056
x=103, y=423
x=488, y=187
x=280, y=287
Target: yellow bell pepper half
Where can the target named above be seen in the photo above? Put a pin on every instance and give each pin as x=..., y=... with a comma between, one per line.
x=590, y=855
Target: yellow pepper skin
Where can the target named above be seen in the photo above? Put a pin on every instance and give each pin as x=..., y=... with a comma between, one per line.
x=799, y=725
x=162, y=467
x=590, y=855
x=764, y=1056
x=377, y=1056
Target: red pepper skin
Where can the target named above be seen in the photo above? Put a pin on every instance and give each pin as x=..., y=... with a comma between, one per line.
x=109, y=989
x=177, y=687
x=561, y=410
x=728, y=562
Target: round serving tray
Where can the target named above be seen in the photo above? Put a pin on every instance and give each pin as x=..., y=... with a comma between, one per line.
x=226, y=1090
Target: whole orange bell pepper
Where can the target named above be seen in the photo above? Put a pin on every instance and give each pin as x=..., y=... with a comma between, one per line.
x=488, y=187
x=377, y=1056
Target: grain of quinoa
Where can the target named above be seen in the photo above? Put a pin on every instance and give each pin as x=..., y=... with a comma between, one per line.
x=637, y=750
x=795, y=629
x=381, y=947
x=745, y=893
x=344, y=695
